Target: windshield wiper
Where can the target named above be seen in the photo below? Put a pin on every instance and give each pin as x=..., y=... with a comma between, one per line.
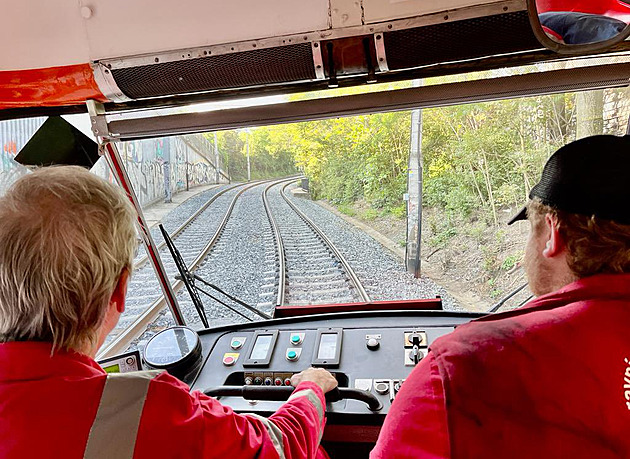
x=189, y=279
x=502, y=301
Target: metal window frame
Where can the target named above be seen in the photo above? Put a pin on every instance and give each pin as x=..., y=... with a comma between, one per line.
x=441, y=95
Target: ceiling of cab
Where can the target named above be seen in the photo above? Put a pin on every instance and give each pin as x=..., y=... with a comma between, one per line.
x=60, y=32
x=379, y=10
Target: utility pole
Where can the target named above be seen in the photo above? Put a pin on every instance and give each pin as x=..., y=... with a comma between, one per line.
x=414, y=193
x=186, y=163
x=249, y=172
x=166, y=152
x=216, y=159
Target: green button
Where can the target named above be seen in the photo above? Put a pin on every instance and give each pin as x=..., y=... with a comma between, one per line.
x=295, y=339
x=291, y=355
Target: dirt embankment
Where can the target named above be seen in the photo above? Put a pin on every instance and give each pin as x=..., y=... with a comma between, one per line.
x=478, y=263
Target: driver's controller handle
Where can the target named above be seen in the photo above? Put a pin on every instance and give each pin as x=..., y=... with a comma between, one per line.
x=281, y=393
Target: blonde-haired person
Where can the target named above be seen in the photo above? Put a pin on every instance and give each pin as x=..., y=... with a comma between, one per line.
x=67, y=242
x=552, y=379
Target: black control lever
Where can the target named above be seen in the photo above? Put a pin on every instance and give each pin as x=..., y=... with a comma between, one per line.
x=415, y=340
x=275, y=393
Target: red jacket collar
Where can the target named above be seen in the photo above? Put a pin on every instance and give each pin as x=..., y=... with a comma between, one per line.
x=31, y=360
x=600, y=286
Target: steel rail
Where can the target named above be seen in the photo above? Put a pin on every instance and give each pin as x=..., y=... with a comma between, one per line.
x=139, y=325
x=282, y=270
x=354, y=279
x=142, y=261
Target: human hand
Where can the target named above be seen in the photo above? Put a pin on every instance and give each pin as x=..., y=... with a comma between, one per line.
x=319, y=376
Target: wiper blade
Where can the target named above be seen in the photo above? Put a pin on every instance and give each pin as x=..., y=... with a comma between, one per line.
x=502, y=301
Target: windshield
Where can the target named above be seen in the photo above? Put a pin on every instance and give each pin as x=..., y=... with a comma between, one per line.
x=244, y=207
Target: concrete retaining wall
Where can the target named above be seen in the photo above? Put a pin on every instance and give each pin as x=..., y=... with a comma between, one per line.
x=157, y=167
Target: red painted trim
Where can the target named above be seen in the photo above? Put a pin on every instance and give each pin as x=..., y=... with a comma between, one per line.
x=396, y=305
x=556, y=36
x=49, y=87
x=612, y=8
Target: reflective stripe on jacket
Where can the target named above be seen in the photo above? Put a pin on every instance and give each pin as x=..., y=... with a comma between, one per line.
x=118, y=416
x=49, y=405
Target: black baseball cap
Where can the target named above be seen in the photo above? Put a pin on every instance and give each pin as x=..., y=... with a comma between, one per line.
x=590, y=176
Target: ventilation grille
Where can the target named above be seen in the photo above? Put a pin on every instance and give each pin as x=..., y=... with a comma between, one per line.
x=237, y=70
x=460, y=40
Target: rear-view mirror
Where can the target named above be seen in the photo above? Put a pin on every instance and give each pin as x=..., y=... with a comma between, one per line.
x=572, y=26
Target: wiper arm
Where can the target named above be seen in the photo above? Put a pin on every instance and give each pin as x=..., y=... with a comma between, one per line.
x=188, y=278
x=231, y=297
x=502, y=301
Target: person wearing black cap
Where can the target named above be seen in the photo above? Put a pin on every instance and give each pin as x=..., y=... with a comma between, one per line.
x=551, y=379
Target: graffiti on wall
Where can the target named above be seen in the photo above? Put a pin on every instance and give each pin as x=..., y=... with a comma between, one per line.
x=145, y=170
x=201, y=173
x=13, y=136
x=156, y=167
x=10, y=173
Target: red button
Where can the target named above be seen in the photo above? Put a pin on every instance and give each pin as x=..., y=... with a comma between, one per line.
x=229, y=360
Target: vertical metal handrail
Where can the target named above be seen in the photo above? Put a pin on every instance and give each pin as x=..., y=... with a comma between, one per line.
x=113, y=158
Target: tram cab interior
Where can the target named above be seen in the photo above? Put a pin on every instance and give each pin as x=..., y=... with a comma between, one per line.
x=135, y=86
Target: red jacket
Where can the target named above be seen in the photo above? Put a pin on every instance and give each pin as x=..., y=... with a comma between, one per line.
x=48, y=405
x=551, y=379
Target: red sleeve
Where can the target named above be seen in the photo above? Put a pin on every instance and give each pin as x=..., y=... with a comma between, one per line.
x=302, y=420
x=416, y=425
x=177, y=423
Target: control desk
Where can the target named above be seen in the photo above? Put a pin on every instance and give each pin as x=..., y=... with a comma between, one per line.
x=372, y=352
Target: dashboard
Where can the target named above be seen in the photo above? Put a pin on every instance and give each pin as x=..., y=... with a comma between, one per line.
x=248, y=367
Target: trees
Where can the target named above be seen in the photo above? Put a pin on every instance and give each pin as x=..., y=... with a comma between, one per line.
x=269, y=156
x=478, y=158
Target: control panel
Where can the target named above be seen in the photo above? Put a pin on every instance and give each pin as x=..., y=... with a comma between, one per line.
x=122, y=363
x=371, y=352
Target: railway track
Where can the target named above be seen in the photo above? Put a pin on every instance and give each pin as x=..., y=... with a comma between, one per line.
x=193, y=247
x=310, y=268
x=305, y=268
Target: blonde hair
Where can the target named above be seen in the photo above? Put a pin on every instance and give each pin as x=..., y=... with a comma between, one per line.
x=594, y=245
x=65, y=237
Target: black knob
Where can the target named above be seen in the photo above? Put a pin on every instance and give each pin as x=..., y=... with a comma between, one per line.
x=381, y=387
x=373, y=344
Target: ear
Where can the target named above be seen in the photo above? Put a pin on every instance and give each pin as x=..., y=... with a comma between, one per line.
x=118, y=296
x=554, y=245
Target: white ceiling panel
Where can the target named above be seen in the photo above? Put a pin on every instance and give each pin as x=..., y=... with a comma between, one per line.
x=37, y=34
x=124, y=27
x=50, y=33
x=385, y=10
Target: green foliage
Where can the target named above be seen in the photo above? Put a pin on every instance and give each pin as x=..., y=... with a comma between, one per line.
x=511, y=261
x=477, y=232
x=477, y=158
x=489, y=259
x=269, y=157
x=370, y=214
x=441, y=238
x=443, y=228
x=347, y=210
x=481, y=157
x=399, y=211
